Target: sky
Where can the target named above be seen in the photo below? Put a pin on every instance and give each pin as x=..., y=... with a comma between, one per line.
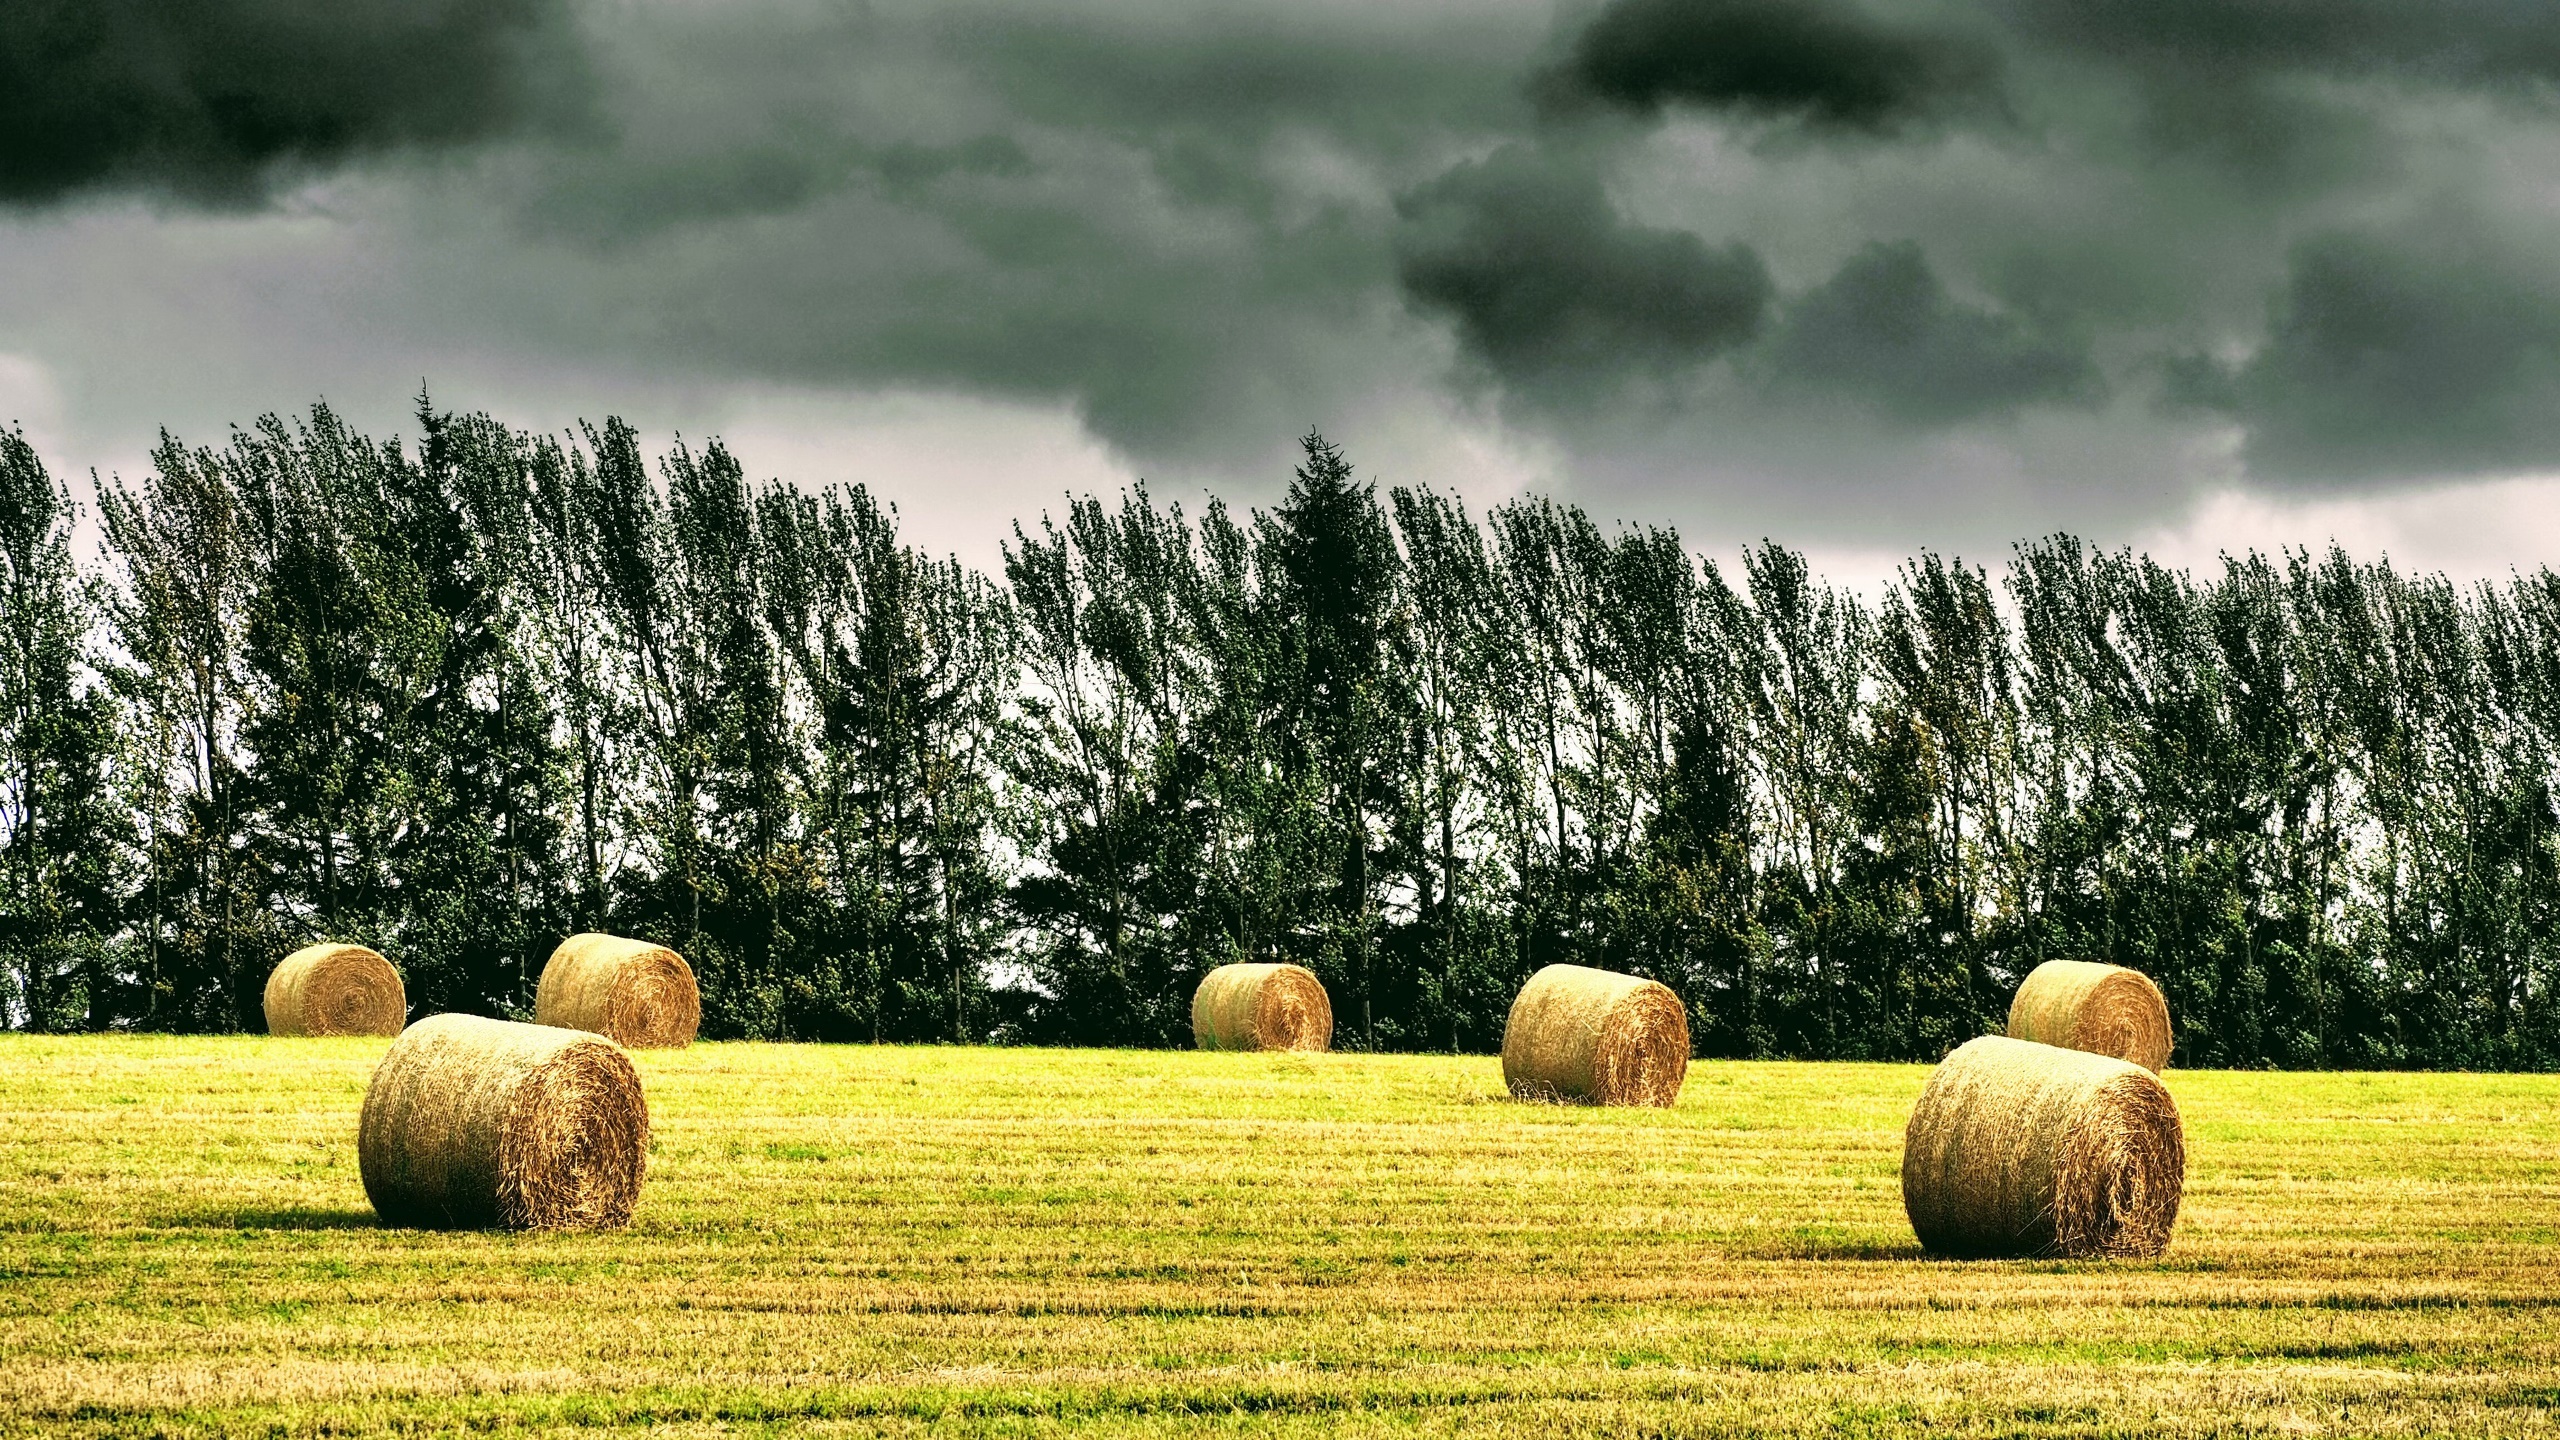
x=1864, y=276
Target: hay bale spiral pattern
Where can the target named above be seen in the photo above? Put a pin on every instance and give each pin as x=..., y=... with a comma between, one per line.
x=1596, y=1038
x=2018, y=1148
x=640, y=994
x=472, y=1122
x=331, y=989
x=1261, y=1007
x=2103, y=1009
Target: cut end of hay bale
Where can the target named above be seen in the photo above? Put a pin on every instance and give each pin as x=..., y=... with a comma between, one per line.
x=332, y=989
x=1261, y=1007
x=2023, y=1149
x=639, y=994
x=472, y=1122
x=2103, y=1009
x=1594, y=1037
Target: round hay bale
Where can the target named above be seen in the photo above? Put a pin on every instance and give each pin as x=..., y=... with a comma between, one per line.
x=472, y=1122
x=2103, y=1009
x=330, y=989
x=640, y=994
x=1595, y=1038
x=1261, y=1007
x=2018, y=1148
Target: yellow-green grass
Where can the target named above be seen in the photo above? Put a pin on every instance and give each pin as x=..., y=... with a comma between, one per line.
x=855, y=1239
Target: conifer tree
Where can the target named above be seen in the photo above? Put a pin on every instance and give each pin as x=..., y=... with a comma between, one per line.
x=1333, y=567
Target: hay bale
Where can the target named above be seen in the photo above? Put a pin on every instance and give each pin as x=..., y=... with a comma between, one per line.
x=2103, y=1009
x=330, y=989
x=1261, y=1007
x=2018, y=1148
x=1595, y=1038
x=640, y=994
x=473, y=1122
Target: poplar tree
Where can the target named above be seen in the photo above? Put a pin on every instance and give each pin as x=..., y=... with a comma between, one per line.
x=461, y=699
x=178, y=591
x=58, y=826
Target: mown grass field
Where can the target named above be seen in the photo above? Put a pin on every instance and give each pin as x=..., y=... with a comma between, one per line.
x=1026, y=1242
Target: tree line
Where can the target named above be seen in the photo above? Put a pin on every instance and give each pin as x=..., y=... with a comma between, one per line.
x=461, y=696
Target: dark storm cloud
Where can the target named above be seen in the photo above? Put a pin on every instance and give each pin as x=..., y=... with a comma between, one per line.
x=2254, y=84
x=1828, y=63
x=2392, y=359
x=711, y=117
x=1885, y=332
x=2455, y=42
x=206, y=98
x=1553, y=291
x=1223, y=72
x=1779, y=243
x=1164, y=213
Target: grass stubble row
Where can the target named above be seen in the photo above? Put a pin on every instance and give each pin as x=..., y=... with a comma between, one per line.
x=885, y=1239
x=2015, y=1147
x=881, y=1239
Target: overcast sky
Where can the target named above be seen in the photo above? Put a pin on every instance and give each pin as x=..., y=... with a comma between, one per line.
x=1864, y=277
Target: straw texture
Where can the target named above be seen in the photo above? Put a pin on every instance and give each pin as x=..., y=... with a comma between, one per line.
x=2018, y=1148
x=2103, y=1009
x=330, y=989
x=640, y=994
x=472, y=1122
x=1261, y=1007
x=1595, y=1038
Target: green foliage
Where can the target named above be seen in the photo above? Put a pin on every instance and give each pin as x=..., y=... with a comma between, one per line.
x=461, y=702
x=58, y=823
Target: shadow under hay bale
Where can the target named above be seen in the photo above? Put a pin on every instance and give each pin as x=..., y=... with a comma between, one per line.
x=332, y=989
x=639, y=994
x=1593, y=1037
x=472, y=1122
x=2103, y=1009
x=2023, y=1149
x=1261, y=1007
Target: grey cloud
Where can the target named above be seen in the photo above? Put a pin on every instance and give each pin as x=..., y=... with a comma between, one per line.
x=1885, y=333
x=2391, y=359
x=209, y=99
x=1383, y=76
x=1827, y=63
x=2456, y=42
x=1028, y=287
x=712, y=116
x=1163, y=214
x=639, y=195
x=2287, y=93
x=2250, y=84
x=1555, y=292
x=1202, y=225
